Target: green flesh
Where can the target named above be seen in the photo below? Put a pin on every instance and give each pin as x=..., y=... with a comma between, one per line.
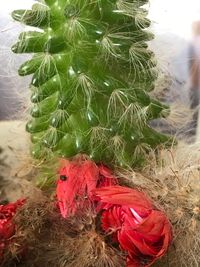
x=92, y=71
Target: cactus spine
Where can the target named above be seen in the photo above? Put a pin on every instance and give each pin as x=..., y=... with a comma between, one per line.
x=92, y=71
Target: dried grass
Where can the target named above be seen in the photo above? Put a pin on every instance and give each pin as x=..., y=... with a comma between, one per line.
x=53, y=241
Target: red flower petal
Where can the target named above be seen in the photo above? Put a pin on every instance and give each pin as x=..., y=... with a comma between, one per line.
x=7, y=227
x=82, y=178
x=106, y=177
x=118, y=195
x=142, y=231
x=111, y=219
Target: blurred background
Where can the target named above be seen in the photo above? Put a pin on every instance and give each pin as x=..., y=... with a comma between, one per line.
x=13, y=89
x=176, y=25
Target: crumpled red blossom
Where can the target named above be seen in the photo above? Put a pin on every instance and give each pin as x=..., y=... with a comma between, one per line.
x=7, y=227
x=77, y=180
x=142, y=231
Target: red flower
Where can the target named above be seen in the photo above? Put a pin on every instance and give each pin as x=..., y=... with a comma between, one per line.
x=77, y=182
x=7, y=227
x=142, y=231
x=106, y=178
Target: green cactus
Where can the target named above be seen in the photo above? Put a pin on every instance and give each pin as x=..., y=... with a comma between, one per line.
x=92, y=71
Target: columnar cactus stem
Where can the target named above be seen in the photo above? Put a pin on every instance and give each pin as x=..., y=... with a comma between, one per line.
x=92, y=71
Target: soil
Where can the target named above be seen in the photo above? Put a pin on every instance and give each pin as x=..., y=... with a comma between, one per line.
x=15, y=163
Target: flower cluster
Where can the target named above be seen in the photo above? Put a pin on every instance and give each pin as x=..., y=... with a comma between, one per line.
x=7, y=227
x=141, y=230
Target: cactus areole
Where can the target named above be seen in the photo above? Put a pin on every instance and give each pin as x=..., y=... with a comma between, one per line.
x=92, y=71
